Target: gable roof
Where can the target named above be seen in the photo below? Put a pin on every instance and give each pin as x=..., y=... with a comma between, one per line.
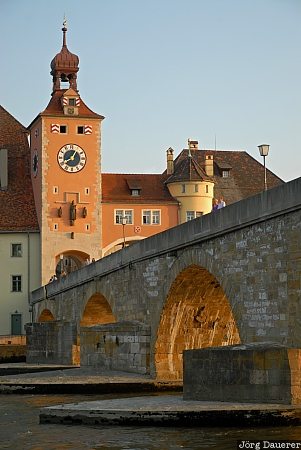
x=17, y=204
x=116, y=188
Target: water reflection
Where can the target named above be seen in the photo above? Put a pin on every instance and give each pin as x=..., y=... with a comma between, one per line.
x=20, y=430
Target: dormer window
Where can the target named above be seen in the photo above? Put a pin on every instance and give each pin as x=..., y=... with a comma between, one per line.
x=134, y=185
x=224, y=169
x=72, y=102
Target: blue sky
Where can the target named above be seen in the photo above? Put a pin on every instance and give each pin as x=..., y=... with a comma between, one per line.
x=162, y=71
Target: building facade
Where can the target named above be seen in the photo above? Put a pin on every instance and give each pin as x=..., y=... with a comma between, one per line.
x=59, y=211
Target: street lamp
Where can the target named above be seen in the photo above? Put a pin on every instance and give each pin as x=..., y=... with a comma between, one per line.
x=124, y=222
x=264, y=151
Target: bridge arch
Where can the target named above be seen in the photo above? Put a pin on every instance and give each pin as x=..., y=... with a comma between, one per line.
x=196, y=314
x=97, y=311
x=46, y=316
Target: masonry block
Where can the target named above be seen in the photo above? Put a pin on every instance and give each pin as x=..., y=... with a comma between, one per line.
x=250, y=373
x=120, y=346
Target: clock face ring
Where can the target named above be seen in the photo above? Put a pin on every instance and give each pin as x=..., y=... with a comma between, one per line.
x=71, y=158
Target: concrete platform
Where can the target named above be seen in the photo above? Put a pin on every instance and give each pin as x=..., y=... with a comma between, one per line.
x=171, y=410
x=58, y=380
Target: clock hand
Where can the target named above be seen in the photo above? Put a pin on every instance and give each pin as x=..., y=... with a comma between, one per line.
x=72, y=157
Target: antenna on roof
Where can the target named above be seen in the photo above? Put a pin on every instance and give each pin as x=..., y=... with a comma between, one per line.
x=215, y=142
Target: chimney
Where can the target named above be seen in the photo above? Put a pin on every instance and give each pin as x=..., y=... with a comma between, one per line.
x=209, y=165
x=170, y=163
x=3, y=168
x=193, y=145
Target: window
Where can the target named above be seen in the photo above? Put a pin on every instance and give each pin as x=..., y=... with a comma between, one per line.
x=196, y=188
x=225, y=173
x=146, y=217
x=81, y=130
x=183, y=188
x=87, y=227
x=207, y=189
x=124, y=213
x=16, y=283
x=72, y=102
x=151, y=217
x=63, y=129
x=135, y=192
x=55, y=189
x=189, y=215
x=156, y=218
x=87, y=191
x=16, y=250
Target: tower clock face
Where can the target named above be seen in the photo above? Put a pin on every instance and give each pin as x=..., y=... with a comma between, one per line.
x=71, y=158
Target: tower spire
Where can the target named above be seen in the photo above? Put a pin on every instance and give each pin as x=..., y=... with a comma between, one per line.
x=64, y=66
x=64, y=30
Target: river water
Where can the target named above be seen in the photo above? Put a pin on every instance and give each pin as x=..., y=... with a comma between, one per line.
x=20, y=430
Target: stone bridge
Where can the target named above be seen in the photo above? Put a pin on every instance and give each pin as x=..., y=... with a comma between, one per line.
x=233, y=276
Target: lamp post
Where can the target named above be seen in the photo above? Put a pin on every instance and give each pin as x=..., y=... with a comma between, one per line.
x=264, y=151
x=124, y=222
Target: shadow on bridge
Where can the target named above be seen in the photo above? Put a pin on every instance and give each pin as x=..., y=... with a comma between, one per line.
x=196, y=314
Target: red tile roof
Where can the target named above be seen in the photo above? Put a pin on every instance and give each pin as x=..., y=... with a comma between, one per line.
x=115, y=188
x=16, y=202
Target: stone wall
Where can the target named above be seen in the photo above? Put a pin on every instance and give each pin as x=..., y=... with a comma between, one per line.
x=253, y=373
x=118, y=346
x=51, y=342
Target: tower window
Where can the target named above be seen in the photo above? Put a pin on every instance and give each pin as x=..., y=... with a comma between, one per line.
x=87, y=191
x=196, y=188
x=55, y=189
x=63, y=129
x=55, y=226
x=207, y=188
x=183, y=188
x=72, y=102
x=190, y=215
x=80, y=130
x=87, y=227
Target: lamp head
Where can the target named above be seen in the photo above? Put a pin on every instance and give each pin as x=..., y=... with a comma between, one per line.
x=264, y=149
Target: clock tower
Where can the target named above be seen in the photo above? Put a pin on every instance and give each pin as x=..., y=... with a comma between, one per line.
x=66, y=172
